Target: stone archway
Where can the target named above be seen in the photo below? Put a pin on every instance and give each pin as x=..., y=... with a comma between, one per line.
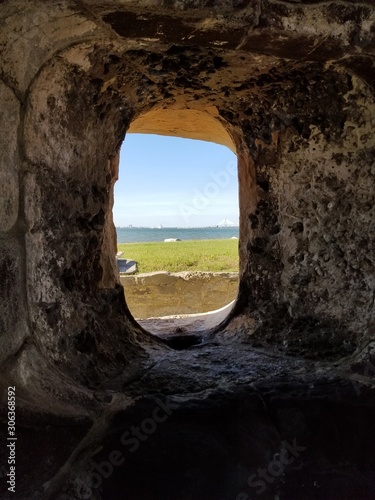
x=297, y=105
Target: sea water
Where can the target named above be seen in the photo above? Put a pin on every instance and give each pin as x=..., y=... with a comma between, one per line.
x=145, y=234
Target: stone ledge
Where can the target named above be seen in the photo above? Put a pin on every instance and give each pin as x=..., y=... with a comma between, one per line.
x=163, y=294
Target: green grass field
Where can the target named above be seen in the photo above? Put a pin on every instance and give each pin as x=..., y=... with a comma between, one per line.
x=191, y=255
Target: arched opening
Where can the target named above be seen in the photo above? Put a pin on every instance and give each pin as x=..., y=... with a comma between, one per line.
x=107, y=406
x=176, y=214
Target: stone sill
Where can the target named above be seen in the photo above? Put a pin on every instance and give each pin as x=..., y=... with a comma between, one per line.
x=164, y=294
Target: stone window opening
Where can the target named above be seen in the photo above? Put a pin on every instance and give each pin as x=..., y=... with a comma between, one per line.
x=290, y=371
x=204, y=297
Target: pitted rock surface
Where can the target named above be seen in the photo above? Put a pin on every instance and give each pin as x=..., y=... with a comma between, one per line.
x=288, y=85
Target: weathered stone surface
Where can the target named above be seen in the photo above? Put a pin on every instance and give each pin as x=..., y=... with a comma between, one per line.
x=198, y=124
x=315, y=193
x=13, y=309
x=214, y=441
x=290, y=87
x=73, y=279
x=9, y=158
x=32, y=32
x=328, y=209
x=164, y=294
x=69, y=307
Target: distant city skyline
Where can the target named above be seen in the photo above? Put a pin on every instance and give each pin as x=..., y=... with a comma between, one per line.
x=175, y=182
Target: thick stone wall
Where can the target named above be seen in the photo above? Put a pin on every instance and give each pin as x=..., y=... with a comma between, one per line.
x=327, y=209
x=86, y=84
x=72, y=277
x=13, y=308
x=310, y=233
x=290, y=87
x=165, y=294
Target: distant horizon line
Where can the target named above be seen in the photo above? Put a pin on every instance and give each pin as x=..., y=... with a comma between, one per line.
x=130, y=226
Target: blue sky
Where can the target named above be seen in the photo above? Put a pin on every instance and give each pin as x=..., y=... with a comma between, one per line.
x=175, y=182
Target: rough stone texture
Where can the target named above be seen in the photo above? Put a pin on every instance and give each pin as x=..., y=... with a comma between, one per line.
x=72, y=279
x=315, y=192
x=291, y=87
x=328, y=210
x=213, y=440
x=9, y=162
x=164, y=294
x=31, y=34
x=13, y=309
x=198, y=124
